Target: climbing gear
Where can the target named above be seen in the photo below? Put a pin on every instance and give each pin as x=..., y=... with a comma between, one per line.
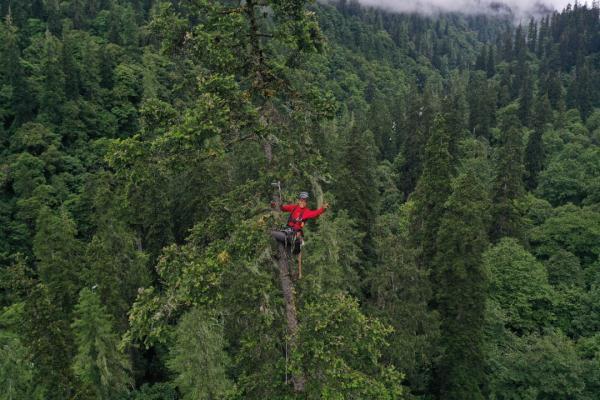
x=303, y=195
x=291, y=222
x=293, y=239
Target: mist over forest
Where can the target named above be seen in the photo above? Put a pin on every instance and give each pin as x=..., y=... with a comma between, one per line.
x=291, y=199
x=520, y=9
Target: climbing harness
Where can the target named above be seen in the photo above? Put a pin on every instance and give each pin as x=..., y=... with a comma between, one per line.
x=292, y=231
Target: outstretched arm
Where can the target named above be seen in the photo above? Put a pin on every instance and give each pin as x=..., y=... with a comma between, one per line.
x=310, y=214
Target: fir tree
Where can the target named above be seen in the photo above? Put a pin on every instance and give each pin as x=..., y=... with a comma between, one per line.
x=481, y=62
x=526, y=98
x=51, y=89
x=59, y=256
x=401, y=294
x=198, y=358
x=431, y=193
x=115, y=264
x=461, y=284
x=491, y=63
x=101, y=368
x=508, y=184
x=50, y=344
x=482, y=100
x=535, y=152
x=355, y=189
x=532, y=35
x=15, y=101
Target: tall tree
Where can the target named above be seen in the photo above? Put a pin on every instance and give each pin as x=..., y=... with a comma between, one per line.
x=356, y=191
x=101, y=367
x=15, y=101
x=418, y=120
x=491, y=62
x=199, y=359
x=535, y=152
x=532, y=35
x=461, y=288
x=49, y=343
x=431, y=193
x=59, y=257
x=482, y=101
x=401, y=295
x=50, y=79
x=526, y=98
x=508, y=184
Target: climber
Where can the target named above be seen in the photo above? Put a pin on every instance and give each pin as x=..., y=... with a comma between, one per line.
x=292, y=233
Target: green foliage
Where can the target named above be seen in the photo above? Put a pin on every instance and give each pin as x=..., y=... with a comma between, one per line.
x=49, y=344
x=58, y=253
x=401, y=293
x=332, y=255
x=538, y=367
x=103, y=370
x=572, y=176
x=508, y=185
x=138, y=143
x=340, y=350
x=198, y=359
x=16, y=371
x=117, y=267
x=570, y=228
x=158, y=391
x=355, y=191
x=432, y=192
x=519, y=285
x=461, y=283
x=187, y=278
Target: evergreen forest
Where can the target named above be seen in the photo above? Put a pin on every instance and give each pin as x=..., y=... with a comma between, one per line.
x=143, y=144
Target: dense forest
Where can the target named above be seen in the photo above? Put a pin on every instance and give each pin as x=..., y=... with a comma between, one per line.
x=139, y=142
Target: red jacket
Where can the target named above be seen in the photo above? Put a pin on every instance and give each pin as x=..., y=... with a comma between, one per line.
x=299, y=215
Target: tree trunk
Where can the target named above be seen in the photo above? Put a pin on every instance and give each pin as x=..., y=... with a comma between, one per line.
x=291, y=317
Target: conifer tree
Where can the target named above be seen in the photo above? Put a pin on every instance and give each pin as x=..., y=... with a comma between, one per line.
x=116, y=265
x=542, y=36
x=379, y=121
x=355, y=187
x=460, y=289
x=508, y=184
x=520, y=49
x=482, y=100
x=16, y=370
x=491, y=62
x=58, y=254
x=418, y=121
x=198, y=358
x=50, y=344
x=401, y=295
x=100, y=366
x=431, y=193
x=481, y=62
x=113, y=259
x=15, y=101
x=555, y=89
x=526, y=98
x=535, y=152
x=455, y=110
x=532, y=35
x=51, y=79
x=581, y=90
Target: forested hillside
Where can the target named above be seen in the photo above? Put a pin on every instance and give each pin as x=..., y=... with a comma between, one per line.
x=139, y=142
